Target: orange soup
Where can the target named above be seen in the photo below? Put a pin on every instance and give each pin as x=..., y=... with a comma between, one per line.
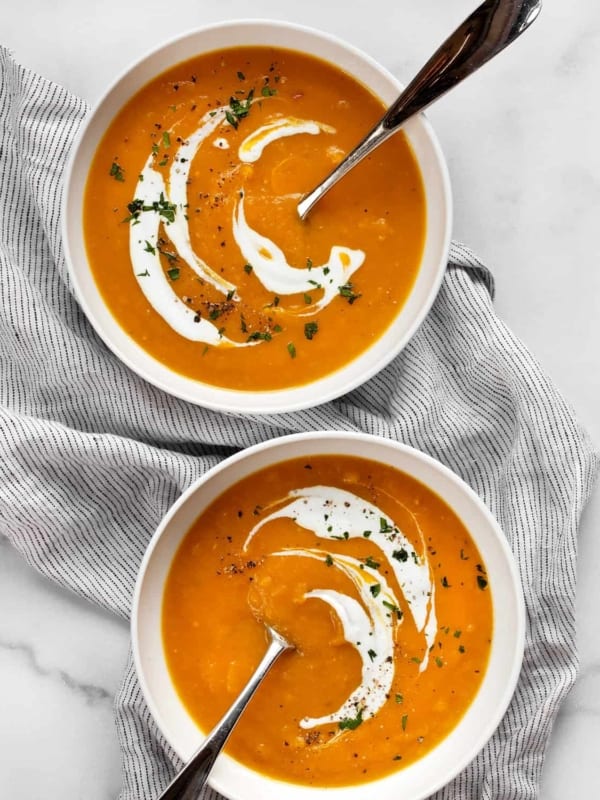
x=376, y=582
x=193, y=236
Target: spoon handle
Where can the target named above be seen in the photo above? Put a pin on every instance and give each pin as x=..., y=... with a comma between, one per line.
x=484, y=34
x=192, y=778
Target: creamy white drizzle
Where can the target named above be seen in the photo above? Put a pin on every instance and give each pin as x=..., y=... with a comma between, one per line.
x=179, y=230
x=272, y=269
x=251, y=149
x=268, y=261
x=335, y=514
x=145, y=259
x=372, y=635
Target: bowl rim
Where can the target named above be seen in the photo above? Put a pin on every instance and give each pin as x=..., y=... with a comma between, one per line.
x=231, y=400
x=512, y=677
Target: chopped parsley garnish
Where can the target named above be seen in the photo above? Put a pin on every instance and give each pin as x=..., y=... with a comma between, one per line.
x=166, y=139
x=241, y=76
x=328, y=560
x=149, y=248
x=445, y=583
x=372, y=654
x=370, y=562
x=400, y=555
x=264, y=336
x=266, y=91
x=399, y=698
x=291, y=349
x=310, y=329
x=230, y=294
x=375, y=588
x=161, y=206
x=461, y=648
x=143, y=274
x=439, y=661
x=384, y=526
x=481, y=582
x=457, y=634
x=348, y=292
x=309, y=263
x=238, y=109
x=351, y=724
x=394, y=608
x=307, y=299
x=404, y=721
x=116, y=172
x=173, y=273
x=366, y=534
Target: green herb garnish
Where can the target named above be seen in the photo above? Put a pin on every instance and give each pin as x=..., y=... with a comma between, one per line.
x=370, y=562
x=351, y=724
x=310, y=329
x=264, y=336
x=238, y=109
x=348, y=292
x=116, y=172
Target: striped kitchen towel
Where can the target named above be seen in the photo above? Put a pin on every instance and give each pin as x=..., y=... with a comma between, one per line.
x=92, y=457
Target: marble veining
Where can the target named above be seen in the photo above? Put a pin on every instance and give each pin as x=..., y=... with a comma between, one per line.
x=90, y=694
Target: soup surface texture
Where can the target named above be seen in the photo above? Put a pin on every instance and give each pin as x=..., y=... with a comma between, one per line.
x=377, y=583
x=193, y=236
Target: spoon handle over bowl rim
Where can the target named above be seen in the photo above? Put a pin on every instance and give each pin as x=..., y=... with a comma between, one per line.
x=193, y=777
x=486, y=32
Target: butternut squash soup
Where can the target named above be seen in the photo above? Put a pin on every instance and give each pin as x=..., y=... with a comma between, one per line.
x=192, y=232
x=377, y=583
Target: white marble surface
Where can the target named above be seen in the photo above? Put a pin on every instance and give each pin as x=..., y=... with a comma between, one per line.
x=521, y=139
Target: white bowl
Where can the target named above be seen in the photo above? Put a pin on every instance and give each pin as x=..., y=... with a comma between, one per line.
x=440, y=765
x=433, y=262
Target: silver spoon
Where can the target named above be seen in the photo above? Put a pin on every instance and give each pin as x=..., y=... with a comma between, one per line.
x=489, y=29
x=192, y=778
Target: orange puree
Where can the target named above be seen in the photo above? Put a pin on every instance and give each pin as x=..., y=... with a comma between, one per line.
x=378, y=210
x=218, y=591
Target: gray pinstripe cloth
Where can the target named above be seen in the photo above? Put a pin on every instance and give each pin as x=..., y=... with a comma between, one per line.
x=91, y=457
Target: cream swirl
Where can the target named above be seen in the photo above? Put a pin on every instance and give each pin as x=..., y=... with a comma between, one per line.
x=336, y=514
x=269, y=263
